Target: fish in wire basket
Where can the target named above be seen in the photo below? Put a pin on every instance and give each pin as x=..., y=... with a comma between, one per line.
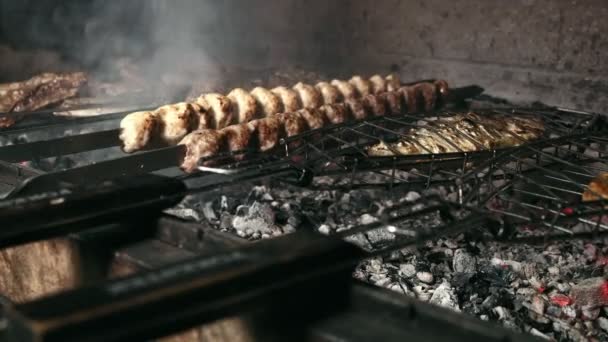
x=463, y=132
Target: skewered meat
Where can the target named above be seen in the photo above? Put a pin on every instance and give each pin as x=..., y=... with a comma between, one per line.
x=137, y=130
x=442, y=88
x=329, y=92
x=243, y=105
x=378, y=84
x=597, y=188
x=363, y=86
x=309, y=95
x=219, y=108
x=463, y=133
x=216, y=111
x=374, y=105
x=237, y=138
x=356, y=108
x=314, y=118
x=393, y=82
x=200, y=144
x=176, y=120
x=347, y=90
x=289, y=98
x=293, y=123
x=268, y=132
x=268, y=103
x=335, y=113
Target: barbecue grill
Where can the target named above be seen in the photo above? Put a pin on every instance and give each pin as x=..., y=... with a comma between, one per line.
x=488, y=183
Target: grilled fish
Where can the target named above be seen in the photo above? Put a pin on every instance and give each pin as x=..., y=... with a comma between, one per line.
x=462, y=133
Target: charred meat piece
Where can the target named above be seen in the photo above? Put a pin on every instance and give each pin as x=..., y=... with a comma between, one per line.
x=289, y=98
x=597, y=188
x=392, y=101
x=237, y=138
x=310, y=97
x=137, y=130
x=374, y=105
x=426, y=95
x=363, y=86
x=335, y=113
x=219, y=108
x=409, y=96
x=268, y=103
x=329, y=93
x=378, y=84
x=463, y=133
x=356, y=109
x=176, y=120
x=347, y=90
x=40, y=91
x=293, y=124
x=268, y=132
x=243, y=105
x=200, y=144
x=313, y=117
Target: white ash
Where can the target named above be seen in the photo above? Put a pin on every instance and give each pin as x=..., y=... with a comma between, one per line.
x=518, y=286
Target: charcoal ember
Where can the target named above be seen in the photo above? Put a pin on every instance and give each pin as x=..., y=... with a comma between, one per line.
x=184, y=213
x=464, y=262
x=538, y=305
x=401, y=287
x=425, y=277
x=591, y=292
x=602, y=322
x=590, y=313
x=361, y=241
x=407, y=270
x=444, y=296
x=258, y=217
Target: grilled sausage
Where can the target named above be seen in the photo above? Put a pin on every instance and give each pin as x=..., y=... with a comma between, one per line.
x=243, y=105
x=176, y=120
x=335, y=113
x=268, y=132
x=347, y=90
x=200, y=144
x=378, y=84
x=309, y=95
x=329, y=93
x=374, y=105
x=289, y=98
x=393, y=82
x=268, y=103
x=363, y=86
x=137, y=130
x=237, y=138
x=356, y=109
x=219, y=108
x=392, y=101
x=313, y=117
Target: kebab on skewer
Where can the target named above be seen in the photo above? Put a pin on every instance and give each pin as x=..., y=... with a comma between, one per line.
x=216, y=111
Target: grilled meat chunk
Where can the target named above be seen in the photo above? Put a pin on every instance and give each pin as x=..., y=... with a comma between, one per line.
x=40, y=91
x=329, y=93
x=309, y=95
x=137, y=130
x=293, y=124
x=356, y=109
x=463, y=133
x=219, y=108
x=393, y=82
x=597, y=188
x=243, y=105
x=200, y=144
x=363, y=86
x=314, y=118
x=268, y=132
x=426, y=95
x=409, y=96
x=347, y=90
x=374, y=105
x=392, y=101
x=289, y=98
x=176, y=120
x=268, y=103
x=237, y=138
x=378, y=84
x=335, y=113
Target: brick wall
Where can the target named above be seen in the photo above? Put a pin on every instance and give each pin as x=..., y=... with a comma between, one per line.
x=555, y=51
